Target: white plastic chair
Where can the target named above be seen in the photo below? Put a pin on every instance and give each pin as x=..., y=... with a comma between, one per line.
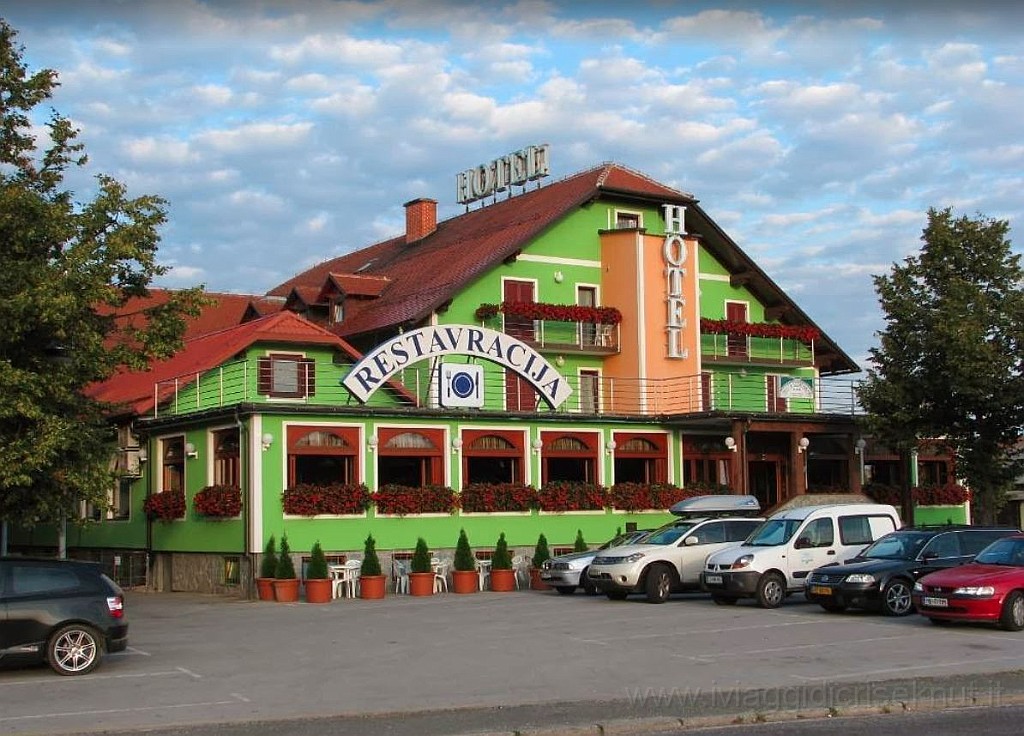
x=352, y=573
x=338, y=574
x=483, y=569
x=400, y=572
x=440, y=566
x=521, y=567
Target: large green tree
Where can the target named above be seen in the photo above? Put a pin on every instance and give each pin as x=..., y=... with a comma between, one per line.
x=949, y=362
x=67, y=269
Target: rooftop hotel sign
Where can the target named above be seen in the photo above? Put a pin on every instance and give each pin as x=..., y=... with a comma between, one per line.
x=515, y=169
x=389, y=357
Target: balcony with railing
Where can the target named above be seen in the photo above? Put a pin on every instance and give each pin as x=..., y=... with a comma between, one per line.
x=745, y=343
x=564, y=328
x=592, y=394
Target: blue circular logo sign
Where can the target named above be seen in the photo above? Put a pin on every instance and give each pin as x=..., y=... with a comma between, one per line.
x=462, y=385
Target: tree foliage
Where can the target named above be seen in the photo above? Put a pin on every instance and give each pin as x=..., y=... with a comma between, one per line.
x=69, y=269
x=949, y=361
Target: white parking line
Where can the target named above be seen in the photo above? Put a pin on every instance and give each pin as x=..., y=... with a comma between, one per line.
x=789, y=648
x=110, y=711
x=89, y=678
x=866, y=673
x=687, y=632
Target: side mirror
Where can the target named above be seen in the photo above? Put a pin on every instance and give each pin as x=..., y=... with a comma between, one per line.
x=802, y=543
x=930, y=555
x=690, y=541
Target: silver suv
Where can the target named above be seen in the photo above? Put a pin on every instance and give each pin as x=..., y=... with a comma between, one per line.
x=671, y=558
x=565, y=573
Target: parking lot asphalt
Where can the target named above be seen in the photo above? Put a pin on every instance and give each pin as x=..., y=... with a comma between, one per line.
x=204, y=659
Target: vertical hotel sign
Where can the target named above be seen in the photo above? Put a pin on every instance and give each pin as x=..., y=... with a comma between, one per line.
x=674, y=252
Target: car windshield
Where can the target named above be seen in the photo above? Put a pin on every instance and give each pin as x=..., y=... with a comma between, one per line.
x=773, y=533
x=627, y=538
x=897, y=546
x=669, y=534
x=1008, y=551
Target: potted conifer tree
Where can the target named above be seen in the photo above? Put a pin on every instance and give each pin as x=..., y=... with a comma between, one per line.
x=265, y=581
x=318, y=586
x=371, y=579
x=503, y=577
x=580, y=545
x=286, y=585
x=465, y=578
x=421, y=576
x=541, y=554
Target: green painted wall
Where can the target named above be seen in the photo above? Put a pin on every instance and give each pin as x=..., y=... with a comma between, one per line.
x=940, y=515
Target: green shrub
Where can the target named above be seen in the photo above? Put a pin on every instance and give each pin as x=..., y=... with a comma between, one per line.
x=579, y=545
x=464, y=560
x=421, y=557
x=541, y=553
x=371, y=563
x=501, y=560
x=268, y=565
x=317, y=567
x=285, y=569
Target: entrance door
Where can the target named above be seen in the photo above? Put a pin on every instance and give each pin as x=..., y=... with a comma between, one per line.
x=736, y=312
x=586, y=296
x=763, y=482
x=519, y=394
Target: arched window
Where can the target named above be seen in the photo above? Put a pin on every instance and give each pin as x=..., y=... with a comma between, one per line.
x=492, y=456
x=226, y=457
x=570, y=456
x=410, y=457
x=640, y=458
x=322, y=455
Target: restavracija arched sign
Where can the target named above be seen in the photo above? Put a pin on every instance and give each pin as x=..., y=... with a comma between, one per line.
x=378, y=365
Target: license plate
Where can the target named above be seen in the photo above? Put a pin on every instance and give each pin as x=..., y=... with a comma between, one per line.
x=713, y=579
x=935, y=602
x=821, y=590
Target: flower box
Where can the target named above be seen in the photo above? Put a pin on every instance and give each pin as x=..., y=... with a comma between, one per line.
x=497, y=498
x=804, y=334
x=551, y=312
x=572, y=496
x=218, y=501
x=165, y=506
x=950, y=494
x=398, y=500
x=309, y=499
x=647, y=496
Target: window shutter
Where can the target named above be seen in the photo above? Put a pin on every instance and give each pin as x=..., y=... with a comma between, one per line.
x=264, y=371
x=309, y=371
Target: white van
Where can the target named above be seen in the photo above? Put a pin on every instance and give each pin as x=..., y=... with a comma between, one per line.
x=777, y=558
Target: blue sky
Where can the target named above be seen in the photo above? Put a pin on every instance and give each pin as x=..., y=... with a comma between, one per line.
x=285, y=133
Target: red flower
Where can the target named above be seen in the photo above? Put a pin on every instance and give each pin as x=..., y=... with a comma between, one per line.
x=551, y=312
x=802, y=333
x=221, y=501
x=950, y=494
x=401, y=500
x=563, y=495
x=166, y=506
x=308, y=499
x=491, y=497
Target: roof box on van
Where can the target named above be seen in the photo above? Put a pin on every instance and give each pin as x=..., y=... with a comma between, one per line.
x=719, y=504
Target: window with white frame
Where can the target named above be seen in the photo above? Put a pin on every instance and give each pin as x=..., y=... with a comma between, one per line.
x=283, y=375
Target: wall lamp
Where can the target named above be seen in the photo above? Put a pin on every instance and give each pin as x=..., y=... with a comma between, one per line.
x=143, y=454
x=371, y=442
x=559, y=277
x=456, y=444
x=730, y=444
x=190, y=450
x=803, y=444
x=610, y=447
x=537, y=445
x=267, y=440
x=860, y=445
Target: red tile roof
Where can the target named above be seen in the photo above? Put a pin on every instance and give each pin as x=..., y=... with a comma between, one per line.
x=225, y=311
x=467, y=245
x=354, y=284
x=135, y=391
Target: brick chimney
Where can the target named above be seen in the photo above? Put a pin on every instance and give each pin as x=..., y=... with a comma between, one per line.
x=420, y=219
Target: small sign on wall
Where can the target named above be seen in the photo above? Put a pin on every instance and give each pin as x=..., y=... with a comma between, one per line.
x=462, y=385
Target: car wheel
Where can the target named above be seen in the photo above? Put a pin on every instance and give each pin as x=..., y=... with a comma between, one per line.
x=616, y=595
x=771, y=590
x=74, y=649
x=833, y=607
x=566, y=589
x=659, y=584
x=896, y=599
x=588, y=587
x=1012, y=616
x=724, y=600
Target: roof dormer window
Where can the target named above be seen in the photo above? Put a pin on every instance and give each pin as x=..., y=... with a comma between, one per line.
x=337, y=311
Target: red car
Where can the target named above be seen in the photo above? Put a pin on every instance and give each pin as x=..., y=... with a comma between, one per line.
x=990, y=588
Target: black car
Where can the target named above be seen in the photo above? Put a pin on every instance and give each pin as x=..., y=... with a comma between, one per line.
x=883, y=575
x=67, y=612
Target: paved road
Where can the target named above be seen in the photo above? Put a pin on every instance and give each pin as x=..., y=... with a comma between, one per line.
x=502, y=661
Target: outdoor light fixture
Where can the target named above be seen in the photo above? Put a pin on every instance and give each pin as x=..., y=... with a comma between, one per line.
x=267, y=440
x=190, y=450
x=143, y=455
x=730, y=444
x=610, y=447
x=371, y=442
x=537, y=445
x=559, y=277
x=803, y=444
x=859, y=447
x=456, y=444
